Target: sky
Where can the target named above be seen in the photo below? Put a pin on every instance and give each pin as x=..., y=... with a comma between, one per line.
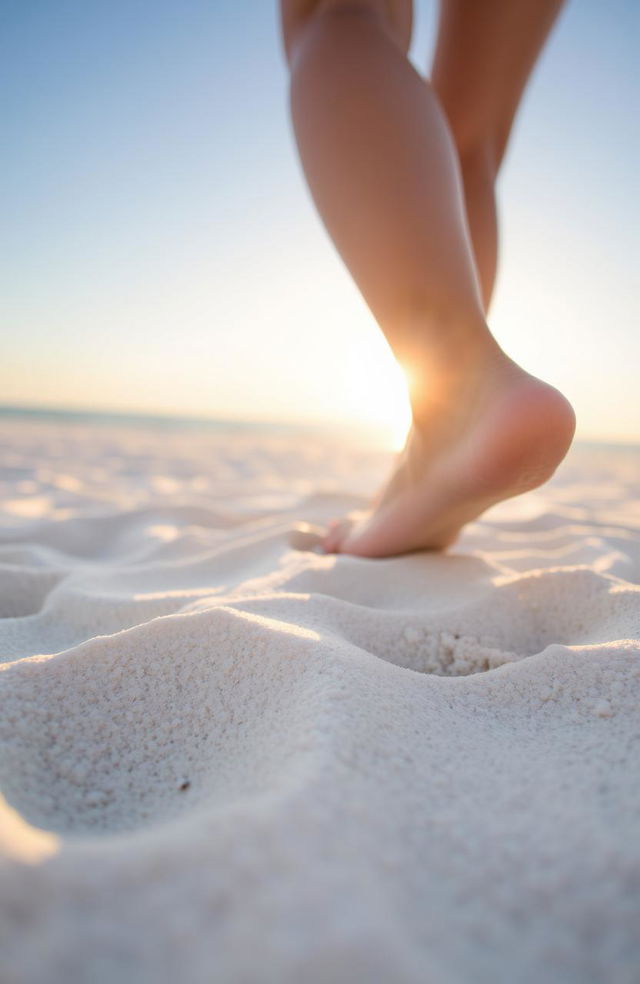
x=161, y=252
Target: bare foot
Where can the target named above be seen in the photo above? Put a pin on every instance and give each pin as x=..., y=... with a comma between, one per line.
x=485, y=435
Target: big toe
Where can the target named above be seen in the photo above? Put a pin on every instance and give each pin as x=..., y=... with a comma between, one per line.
x=337, y=532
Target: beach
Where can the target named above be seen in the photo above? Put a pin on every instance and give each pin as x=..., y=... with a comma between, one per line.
x=228, y=757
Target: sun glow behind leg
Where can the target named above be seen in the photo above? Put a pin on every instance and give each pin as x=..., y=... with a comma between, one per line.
x=378, y=390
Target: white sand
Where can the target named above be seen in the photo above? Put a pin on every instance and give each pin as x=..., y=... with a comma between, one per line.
x=228, y=760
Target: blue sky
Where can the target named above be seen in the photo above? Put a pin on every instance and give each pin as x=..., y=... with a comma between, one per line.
x=161, y=251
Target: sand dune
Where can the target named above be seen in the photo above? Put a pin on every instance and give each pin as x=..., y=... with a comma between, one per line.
x=226, y=758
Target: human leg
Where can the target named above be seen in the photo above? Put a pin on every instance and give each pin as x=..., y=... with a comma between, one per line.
x=484, y=55
x=384, y=172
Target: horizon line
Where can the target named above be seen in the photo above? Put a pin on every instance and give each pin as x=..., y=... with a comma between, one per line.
x=167, y=417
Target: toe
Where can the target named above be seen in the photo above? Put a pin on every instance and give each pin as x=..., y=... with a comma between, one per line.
x=336, y=533
x=356, y=537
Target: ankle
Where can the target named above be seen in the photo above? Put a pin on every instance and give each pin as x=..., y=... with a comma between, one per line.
x=443, y=378
x=453, y=352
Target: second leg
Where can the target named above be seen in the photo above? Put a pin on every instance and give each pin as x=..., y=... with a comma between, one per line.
x=484, y=55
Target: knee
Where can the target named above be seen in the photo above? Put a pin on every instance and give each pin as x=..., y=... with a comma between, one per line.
x=299, y=16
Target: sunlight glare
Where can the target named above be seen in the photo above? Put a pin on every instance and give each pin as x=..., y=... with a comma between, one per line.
x=379, y=392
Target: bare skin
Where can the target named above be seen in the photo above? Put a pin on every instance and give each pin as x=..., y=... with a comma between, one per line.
x=403, y=173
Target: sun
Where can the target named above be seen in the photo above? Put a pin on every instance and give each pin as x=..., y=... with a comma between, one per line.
x=379, y=392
